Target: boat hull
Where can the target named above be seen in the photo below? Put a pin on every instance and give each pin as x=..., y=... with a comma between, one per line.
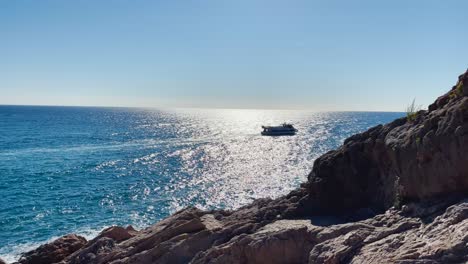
x=278, y=133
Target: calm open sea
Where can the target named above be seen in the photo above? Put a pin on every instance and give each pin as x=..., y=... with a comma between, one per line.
x=79, y=169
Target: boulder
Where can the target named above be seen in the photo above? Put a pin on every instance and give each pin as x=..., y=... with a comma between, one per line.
x=93, y=252
x=117, y=233
x=55, y=251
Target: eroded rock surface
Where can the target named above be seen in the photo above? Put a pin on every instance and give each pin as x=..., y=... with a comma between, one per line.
x=419, y=233
x=407, y=159
x=396, y=193
x=55, y=251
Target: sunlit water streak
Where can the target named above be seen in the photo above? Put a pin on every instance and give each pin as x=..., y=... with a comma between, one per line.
x=70, y=169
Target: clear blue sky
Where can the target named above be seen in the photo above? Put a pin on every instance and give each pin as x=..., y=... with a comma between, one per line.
x=320, y=55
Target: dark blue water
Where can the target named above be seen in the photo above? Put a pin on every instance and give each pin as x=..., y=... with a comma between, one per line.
x=76, y=169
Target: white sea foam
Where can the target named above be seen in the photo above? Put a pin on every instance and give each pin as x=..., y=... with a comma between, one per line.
x=11, y=253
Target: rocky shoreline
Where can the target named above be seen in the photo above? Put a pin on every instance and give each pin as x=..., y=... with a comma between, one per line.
x=396, y=193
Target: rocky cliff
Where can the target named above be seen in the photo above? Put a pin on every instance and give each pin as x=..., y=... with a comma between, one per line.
x=395, y=193
x=409, y=159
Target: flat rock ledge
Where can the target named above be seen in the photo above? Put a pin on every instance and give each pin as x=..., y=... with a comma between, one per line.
x=397, y=193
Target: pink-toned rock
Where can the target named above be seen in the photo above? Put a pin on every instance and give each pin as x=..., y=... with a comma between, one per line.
x=117, y=233
x=55, y=251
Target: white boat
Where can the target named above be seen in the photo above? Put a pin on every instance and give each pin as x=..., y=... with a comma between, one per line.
x=283, y=130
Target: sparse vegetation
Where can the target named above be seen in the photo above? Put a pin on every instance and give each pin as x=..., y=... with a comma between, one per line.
x=453, y=94
x=458, y=91
x=412, y=111
x=459, y=88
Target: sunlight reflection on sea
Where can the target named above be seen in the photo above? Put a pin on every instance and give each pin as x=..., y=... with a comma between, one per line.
x=66, y=169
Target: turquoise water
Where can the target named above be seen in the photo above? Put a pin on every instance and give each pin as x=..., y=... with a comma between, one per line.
x=79, y=169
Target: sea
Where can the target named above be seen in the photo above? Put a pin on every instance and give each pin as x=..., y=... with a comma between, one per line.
x=80, y=169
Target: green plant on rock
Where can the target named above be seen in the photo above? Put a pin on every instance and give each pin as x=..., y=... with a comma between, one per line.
x=412, y=111
x=459, y=89
x=418, y=140
x=453, y=94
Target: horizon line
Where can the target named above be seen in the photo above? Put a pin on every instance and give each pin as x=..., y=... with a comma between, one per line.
x=201, y=108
